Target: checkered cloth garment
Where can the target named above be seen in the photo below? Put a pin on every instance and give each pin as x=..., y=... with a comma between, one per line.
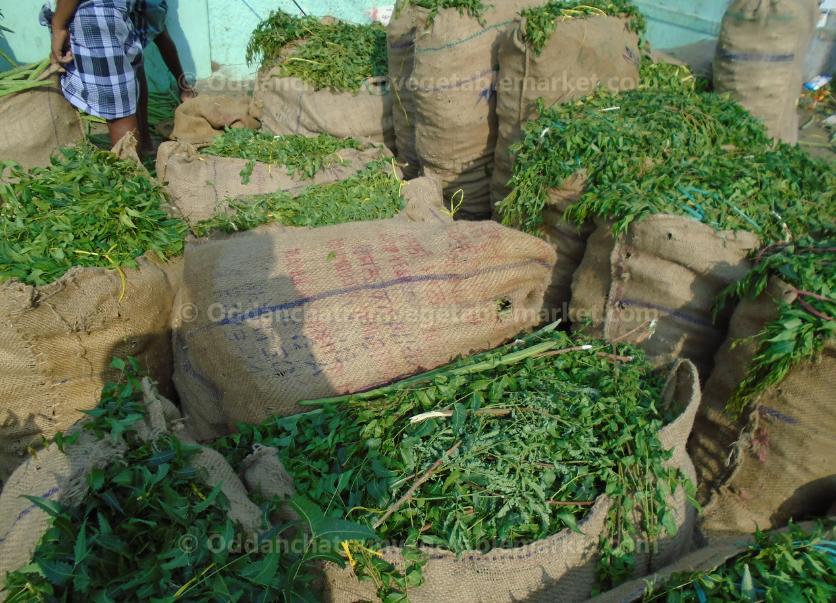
x=106, y=39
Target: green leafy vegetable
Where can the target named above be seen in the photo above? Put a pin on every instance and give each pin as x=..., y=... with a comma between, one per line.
x=373, y=194
x=303, y=156
x=541, y=21
x=474, y=8
x=334, y=55
x=668, y=150
x=783, y=566
x=495, y=450
x=88, y=208
x=151, y=530
x=803, y=327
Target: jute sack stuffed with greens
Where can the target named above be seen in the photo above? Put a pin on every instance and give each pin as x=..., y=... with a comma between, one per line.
x=560, y=567
x=201, y=184
x=276, y=315
x=74, y=294
x=581, y=54
x=795, y=564
x=760, y=59
x=771, y=460
x=655, y=284
x=62, y=477
x=311, y=81
x=36, y=123
x=454, y=78
x=200, y=120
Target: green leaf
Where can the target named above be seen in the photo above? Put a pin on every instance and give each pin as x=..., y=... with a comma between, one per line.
x=50, y=507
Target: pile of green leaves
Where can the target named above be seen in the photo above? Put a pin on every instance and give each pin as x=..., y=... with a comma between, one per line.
x=803, y=327
x=303, y=156
x=88, y=208
x=668, y=150
x=151, y=530
x=337, y=56
x=373, y=194
x=541, y=21
x=474, y=8
x=524, y=439
x=795, y=565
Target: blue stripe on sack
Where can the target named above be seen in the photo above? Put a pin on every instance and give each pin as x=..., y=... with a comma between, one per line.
x=755, y=57
x=49, y=493
x=404, y=280
x=669, y=311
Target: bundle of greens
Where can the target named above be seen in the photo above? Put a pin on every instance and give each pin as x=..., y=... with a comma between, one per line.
x=541, y=21
x=668, y=150
x=803, y=327
x=303, y=156
x=495, y=450
x=151, y=530
x=474, y=8
x=23, y=77
x=88, y=208
x=373, y=194
x=796, y=565
x=328, y=55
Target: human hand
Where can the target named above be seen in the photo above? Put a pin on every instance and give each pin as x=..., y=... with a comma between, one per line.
x=61, y=54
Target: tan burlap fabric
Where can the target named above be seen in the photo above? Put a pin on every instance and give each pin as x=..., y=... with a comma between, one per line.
x=57, y=341
x=35, y=124
x=582, y=55
x=288, y=105
x=559, y=568
x=400, y=42
x=199, y=120
x=776, y=462
x=453, y=81
x=62, y=477
x=668, y=269
x=760, y=59
x=201, y=185
x=274, y=316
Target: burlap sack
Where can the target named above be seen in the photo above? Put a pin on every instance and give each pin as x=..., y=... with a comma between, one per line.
x=663, y=274
x=776, y=462
x=559, y=568
x=718, y=552
x=275, y=315
x=288, y=105
x=760, y=59
x=199, y=120
x=62, y=477
x=202, y=185
x=57, y=341
x=453, y=80
x=581, y=56
x=35, y=124
x=400, y=42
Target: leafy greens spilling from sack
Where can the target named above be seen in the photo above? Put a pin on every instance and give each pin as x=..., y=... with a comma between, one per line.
x=668, y=150
x=150, y=529
x=373, y=194
x=541, y=21
x=324, y=53
x=795, y=565
x=303, y=156
x=89, y=208
x=495, y=450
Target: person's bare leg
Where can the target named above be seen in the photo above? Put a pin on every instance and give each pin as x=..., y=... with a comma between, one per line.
x=119, y=127
x=168, y=51
x=146, y=145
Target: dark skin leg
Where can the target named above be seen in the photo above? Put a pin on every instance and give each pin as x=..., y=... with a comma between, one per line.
x=146, y=145
x=119, y=127
x=168, y=51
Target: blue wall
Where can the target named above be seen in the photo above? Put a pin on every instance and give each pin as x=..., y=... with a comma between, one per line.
x=212, y=34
